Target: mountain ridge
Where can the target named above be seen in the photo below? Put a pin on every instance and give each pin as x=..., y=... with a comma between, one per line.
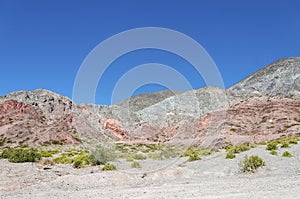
x=202, y=116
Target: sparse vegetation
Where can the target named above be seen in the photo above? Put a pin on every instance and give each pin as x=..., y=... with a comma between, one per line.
x=101, y=155
x=287, y=154
x=19, y=155
x=135, y=165
x=251, y=164
x=230, y=155
x=273, y=152
x=272, y=146
x=192, y=153
x=232, y=150
x=285, y=145
x=109, y=167
x=129, y=159
x=48, y=153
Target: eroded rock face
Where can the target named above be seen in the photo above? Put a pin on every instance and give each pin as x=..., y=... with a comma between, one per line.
x=255, y=120
x=23, y=124
x=114, y=126
x=42, y=117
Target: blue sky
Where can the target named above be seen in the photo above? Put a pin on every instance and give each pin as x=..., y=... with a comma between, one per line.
x=43, y=43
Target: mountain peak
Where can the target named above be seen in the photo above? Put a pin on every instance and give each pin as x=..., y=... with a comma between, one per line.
x=281, y=79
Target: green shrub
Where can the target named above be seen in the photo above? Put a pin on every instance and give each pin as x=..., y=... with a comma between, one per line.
x=238, y=148
x=230, y=155
x=82, y=160
x=109, y=167
x=251, y=164
x=18, y=155
x=46, y=154
x=78, y=164
x=293, y=141
x=5, y=153
x=101, y=155
x=285, y=145
x=64, y=158
x=272, y=146
x=205, y=152
x=194, y=157
x=135, y=165
x=192, y=153
x=273, y=152
x=287, y=154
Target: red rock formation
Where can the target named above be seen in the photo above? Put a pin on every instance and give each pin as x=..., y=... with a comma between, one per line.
x=114, y=126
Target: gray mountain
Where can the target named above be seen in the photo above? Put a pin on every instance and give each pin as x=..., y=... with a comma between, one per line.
x=279, y=79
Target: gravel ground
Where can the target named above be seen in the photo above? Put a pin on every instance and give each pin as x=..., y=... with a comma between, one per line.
x=212, y=177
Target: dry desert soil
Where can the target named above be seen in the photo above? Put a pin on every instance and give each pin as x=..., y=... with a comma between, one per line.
x=211, y=177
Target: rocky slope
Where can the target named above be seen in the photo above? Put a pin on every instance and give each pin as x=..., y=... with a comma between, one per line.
x=41, y=117
x=281, y=79
x=263, y=106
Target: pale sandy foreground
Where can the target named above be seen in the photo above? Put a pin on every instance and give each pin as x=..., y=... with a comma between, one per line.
x=212, y=177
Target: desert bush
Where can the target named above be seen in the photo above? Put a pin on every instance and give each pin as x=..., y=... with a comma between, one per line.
x=272, y=146
x=188, y=152
x=64, y=159
x=82, y=160
x=5, y=153
x=109, y=167
x=18, y=155
x=135, y=165
x=101, y=155
x=194, y=157
x=205, y=152
x=290, y=140
x=273, y=152
x=287, y=154
x=285, y=144
x=294, y=140
x=192, y=153
x=238, y=148
x=251, y=164
x=230, y=155
x=78, y=164
x=46, y=154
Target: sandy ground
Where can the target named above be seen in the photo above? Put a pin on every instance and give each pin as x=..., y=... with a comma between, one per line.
x=212, y=177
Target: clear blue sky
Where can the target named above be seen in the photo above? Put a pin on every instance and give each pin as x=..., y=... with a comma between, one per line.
x=43, y=43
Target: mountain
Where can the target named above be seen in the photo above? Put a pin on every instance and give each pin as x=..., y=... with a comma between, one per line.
x=279, y=79
x=42, y=117
x=261, y=107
